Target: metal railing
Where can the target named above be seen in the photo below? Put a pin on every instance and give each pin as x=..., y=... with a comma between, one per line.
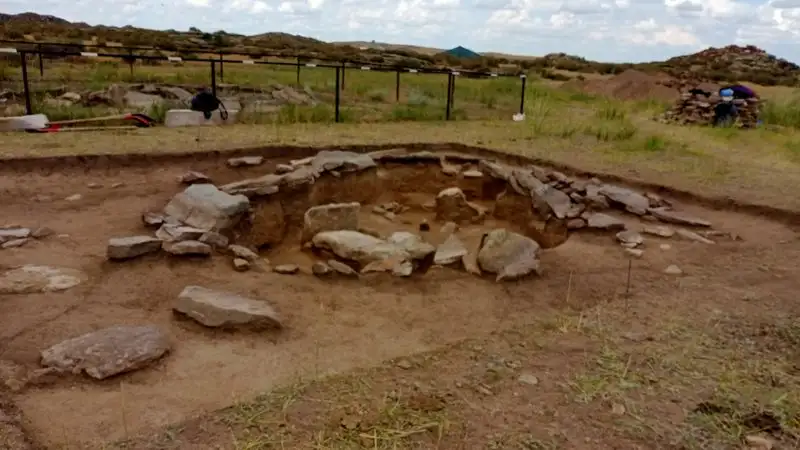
x=340, y=70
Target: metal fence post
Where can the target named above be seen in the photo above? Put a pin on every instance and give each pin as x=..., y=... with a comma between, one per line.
x=23, y=56
x=298, y=71
x=343, y=71
x=214, y=77
x=522, y=96
x=221, y=68
x=449, y=95
x=130, y=62
x=397, y=87
x=453, y=90
x=41, y=60
x=336, y=113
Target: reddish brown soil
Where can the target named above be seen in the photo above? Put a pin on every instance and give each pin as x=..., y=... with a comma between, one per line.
x=340, y=325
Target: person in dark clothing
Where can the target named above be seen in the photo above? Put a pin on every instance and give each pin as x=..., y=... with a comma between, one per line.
x=725, y=112
x=207, y=103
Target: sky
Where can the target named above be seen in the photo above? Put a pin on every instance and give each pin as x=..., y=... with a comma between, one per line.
x=603, y=30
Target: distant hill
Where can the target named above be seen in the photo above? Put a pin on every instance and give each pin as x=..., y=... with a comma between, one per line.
x=727, y=64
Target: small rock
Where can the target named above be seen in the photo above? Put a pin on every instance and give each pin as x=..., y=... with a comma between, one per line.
x=528, y=379
x=635, y=252
x=412, y=243
x=7, y=234
x=665, y=246
x=320, y=269
x=225, y=309
x=284, y=168
x=758, y=443
x=214, y=239
x=243, y=253
x=94, y=185
x=15, y=243
x=632, y=238
x=287, y=269
x=405, y=364
x=692, y=236
x=618, y=409
x=452, y=250
x=132, y=247
x=452, y=205
x=241, y=265
x=449, y=228
x=659, y=230
x=342, y=268
x=42, y=232
x=187, y=248
x=173, y=233
x=576, y=224
x=193, y=177
x=117, y=185
x=473, y=174
x=632, y=201
x=673, y=270
x=108, y=352
x=246, y=161
x=74, y=198
x=152, y=219
x=602, y=221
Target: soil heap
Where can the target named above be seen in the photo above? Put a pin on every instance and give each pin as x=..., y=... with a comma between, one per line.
x=693, y=109
x=630, y=85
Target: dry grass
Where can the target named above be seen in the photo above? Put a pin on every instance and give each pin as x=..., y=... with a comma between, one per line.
x=758, y=166
x=674, y=382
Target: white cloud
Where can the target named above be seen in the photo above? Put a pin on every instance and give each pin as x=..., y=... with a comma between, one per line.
x=610, y=30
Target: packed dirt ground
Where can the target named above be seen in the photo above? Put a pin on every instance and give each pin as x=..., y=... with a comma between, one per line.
x=678, y=333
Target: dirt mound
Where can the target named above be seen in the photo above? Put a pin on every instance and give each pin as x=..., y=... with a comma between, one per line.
x=630, y=85
x=735, y=63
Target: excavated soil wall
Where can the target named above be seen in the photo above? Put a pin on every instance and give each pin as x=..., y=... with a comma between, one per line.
x=64, y=165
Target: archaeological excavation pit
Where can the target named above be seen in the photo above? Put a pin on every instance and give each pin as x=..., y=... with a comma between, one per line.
x=200, y=281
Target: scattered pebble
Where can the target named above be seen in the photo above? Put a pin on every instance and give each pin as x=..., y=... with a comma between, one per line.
x=618, y=409
x=320, y=269
x=286, y=269
x=635, y=252
x=15, y=243
x=405, y=364
x=665, y=247
x=758, y=443
x=74, y=198
x=241, y=265
x=528, y=379
x=673, y=270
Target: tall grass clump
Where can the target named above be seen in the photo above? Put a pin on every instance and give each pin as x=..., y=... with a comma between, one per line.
x=784, y=112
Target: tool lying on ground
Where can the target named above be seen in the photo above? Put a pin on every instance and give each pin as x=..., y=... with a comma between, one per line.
x=139, y=121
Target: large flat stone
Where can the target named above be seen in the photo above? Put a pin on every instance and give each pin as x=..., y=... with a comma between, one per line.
x=359, y=247
x=225, y=309
x=108, y=352
x=331, y=217
x=205, y=207
x=33, y=278
x=508, y=255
